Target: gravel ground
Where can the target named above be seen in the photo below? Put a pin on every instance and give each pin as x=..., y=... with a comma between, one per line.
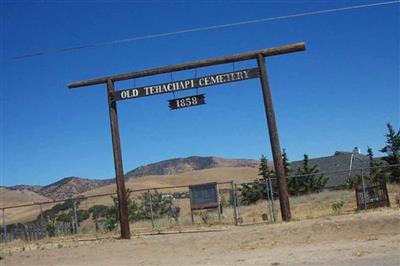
x=368, y=238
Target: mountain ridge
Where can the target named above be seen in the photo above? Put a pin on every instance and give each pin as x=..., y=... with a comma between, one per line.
x=73, y=185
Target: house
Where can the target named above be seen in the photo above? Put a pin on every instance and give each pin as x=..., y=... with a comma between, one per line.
x=339, y=167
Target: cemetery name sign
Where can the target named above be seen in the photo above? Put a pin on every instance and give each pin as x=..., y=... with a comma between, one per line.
x=188, y=101
x=186, y=84
x=204, y=196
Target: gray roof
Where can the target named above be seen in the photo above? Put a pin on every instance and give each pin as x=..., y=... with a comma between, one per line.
x=336, y=167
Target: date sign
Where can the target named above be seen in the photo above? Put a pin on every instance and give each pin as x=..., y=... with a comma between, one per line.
x=188, y=101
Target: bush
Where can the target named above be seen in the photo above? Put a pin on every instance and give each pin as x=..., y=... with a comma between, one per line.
x=337, y=207
x=51, y=226
x=251, y=193
x=110, y=223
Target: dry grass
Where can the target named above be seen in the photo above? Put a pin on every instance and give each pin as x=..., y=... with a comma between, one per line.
x=303, y=207
x=313, y=205
x=220, y=174
x=19, y=197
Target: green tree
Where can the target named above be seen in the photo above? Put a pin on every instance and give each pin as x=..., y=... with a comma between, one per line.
x=392, y=149
x=134, y=211
x=160, y=204
x=286, y=164
x=309, y=181
x=264, y=171
x=293, y=184
x=99, y=213
x=375, y=173
x=252, y=192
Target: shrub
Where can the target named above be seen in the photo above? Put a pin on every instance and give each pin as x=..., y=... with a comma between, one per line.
x=337, y=207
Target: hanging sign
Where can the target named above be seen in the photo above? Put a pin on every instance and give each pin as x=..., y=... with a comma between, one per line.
x=186, y=84
x=188, y=101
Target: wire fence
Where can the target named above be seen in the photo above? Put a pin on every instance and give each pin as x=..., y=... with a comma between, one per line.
x=169, y=208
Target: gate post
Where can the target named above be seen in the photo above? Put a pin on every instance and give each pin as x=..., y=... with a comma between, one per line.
x=119, y=171
x=274, y=139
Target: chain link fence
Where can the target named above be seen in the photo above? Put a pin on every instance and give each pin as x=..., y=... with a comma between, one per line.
x=169, y=208
x=258, y=201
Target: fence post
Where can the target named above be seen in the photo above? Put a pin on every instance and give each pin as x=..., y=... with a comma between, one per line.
x=219, y=205
x=4, y=227
x=191, y=210
x=364, y=192
x=237, y=206
x=41, y=213
x=234, y=204
x=75, y=218
x=42, y=225
x=385, y=192
x=269, y=200
x=151, y=209
x=271, y=191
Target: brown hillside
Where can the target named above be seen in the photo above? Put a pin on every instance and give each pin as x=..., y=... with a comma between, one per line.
x=10, y=197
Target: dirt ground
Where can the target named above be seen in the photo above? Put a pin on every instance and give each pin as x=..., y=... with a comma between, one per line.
x=366, y=238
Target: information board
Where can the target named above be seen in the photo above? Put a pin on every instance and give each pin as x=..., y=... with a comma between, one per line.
x=204, y=196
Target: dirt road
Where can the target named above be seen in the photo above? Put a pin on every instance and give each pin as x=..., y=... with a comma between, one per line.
x=371, y=238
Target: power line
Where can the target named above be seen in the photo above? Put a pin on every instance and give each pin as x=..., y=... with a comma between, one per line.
x=206, y=28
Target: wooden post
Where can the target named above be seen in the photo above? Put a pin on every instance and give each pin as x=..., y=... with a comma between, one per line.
x=291, y=48
x=274, y=139
x=119, y=171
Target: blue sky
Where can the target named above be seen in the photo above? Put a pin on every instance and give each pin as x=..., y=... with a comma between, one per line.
x=338, y=94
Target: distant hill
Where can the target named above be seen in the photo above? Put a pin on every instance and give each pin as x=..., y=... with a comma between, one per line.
x=13, y=197
x=63, y=188
x=34, y=188
x=181, y=165
x=72, y=186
